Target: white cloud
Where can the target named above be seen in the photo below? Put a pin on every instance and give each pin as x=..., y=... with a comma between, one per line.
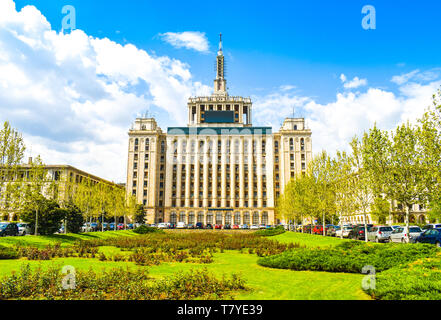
x=418, y=76
x=74, y=96
x=335, y=123
x=403, y=78
x=188, y=39
x=354, y=83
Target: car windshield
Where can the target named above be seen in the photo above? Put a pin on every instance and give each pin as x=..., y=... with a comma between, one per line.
x=386, y=229
x=2, y=226
x=414, y=229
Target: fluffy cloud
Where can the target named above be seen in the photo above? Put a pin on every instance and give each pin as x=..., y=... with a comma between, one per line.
x=354, y=83
x=188, y=39
x=74, y=96
x=335, y=123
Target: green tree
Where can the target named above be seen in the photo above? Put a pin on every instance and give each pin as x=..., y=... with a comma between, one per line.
x=139, y=216
x=73, y=218
x=320, y=170
x=407, y=182
x=12, y=150
x=30, y=190
x=44, y=213
x=429, y=133
x=343, y=176
x=361, y=183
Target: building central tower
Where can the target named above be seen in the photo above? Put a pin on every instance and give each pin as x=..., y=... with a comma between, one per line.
x=219, y=169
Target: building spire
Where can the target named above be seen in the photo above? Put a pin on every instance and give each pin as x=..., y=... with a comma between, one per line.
x=220, y=44
x=220, y=84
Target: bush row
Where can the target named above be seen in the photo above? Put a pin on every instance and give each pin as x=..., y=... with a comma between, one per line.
x=418, y=280
x=270, y=231
x=116, y=284
x=349, y=256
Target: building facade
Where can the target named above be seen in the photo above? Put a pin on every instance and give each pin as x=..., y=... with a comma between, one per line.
x=219, y=169
x=65, y=177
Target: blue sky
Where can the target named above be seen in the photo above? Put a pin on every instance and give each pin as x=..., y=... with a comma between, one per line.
x=304, y=43
x=75, y=95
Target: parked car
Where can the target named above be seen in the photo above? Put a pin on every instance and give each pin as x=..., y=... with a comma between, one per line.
x=244, y=226
x=262, y=226
x=236, y=227
x=357, y=233
x=162, y=225
x=227, y=227
x=332, y=230
x=307, y=228
x=209, y=226
x=8, y=229
x=217, y=226
x=254, y=227
x=104, y=226
x=180, y=225
x=344, y=230
x=431, y=236
x=432, y=226
x=199, y=225
x=379, y=233
x=23, y=229
x=94, y=226
x=130, y=226
x=402, y=235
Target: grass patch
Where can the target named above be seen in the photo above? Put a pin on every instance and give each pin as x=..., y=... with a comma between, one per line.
x=64, y=239
x=308, y=240
x=275, y=284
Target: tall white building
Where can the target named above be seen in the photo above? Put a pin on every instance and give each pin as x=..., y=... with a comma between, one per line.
x=219, y=169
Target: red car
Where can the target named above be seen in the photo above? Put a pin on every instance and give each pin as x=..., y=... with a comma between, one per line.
x=218, y=226
x=236, y=226
x=318, y=229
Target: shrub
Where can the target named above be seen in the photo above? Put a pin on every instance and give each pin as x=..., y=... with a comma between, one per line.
x=270, y=231
x=349, y=257
x=418, y=280
x=8, y=253
x=143, y=229
x=116, y=284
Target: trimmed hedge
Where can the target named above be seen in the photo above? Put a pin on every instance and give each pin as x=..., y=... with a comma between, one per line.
x=350, y=256
x=418, y=280
x=144, y=230
x=8, y=253
x=270, y=231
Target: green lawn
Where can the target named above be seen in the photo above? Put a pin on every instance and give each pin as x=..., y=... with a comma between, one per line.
x=264, y=283
x=309, y=240
x=64, y=239
x=276, y=284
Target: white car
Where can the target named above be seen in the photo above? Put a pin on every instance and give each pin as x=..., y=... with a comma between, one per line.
x=162, y=225
x=254, y=227
x=345, y=230
x=379, y=233
x=23, y=229
x=180, y=225
x=401, y=235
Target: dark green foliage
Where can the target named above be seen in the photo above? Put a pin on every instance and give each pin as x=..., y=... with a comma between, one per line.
x=419, y=280
x=74, y=218
x=8, y=253
x=116, y=284
x=139, y=214
x=50, y=216
x=349, y=256
x=143, y=229
x=270, y=231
